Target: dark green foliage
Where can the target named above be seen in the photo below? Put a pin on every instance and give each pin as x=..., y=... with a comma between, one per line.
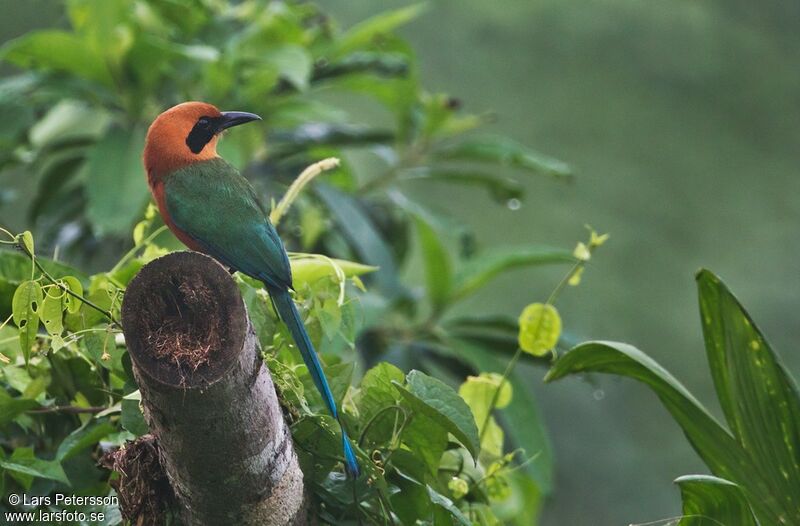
x=755, y=459
x=81, y=102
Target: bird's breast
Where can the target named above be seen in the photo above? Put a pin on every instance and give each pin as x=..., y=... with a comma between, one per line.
x=159, y=192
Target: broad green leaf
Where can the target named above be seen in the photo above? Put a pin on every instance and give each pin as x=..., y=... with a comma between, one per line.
x=715, y=445
x=25, y=306
x=440, y=402
x=712, y=501
x=437, y=264
x=376, y=394
x=505, y=152
x=11, y=407
x=293, y=63
x=66, y=121
x=539, y=328
x=758, y=395
x=308, y=268
x=477, y=271
x=362, y=35
x=23, y=461
x=361, y=233
x=83, y=437
x=59, y=51
x=424, y=435
x=115, y=186
x=440, y=500
x=52, y=311
x=501, y=189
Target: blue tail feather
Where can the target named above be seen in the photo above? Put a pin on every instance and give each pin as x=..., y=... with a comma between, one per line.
x=291, y=317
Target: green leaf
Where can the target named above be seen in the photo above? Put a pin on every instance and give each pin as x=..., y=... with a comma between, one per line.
x=757, y=394
x=479, y=392
x=363, y=34
x=712, y=501
x=15, y=268
x=115, y=186
x=60, y=51
x=308, y=268
x=52, y=311
x=501, y=189
x=11, y=408
x=505, y=152
x=440, y=500
x=362, y=234
x=23, y=461
x=525, y=426
x=25, y=306
x=83, y=437
x=715, y=445
x=293, y=63
x=67, y=121
x=75, y=286
x=27, y=241
x=539, y=328
x=132, y=418
x=377, y=393
x=437, y=264
x=440, y=402
x=477, y=271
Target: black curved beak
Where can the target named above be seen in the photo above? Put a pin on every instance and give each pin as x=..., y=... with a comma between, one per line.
x=229, y=119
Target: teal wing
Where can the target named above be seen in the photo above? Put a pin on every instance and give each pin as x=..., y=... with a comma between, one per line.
x=212, y=203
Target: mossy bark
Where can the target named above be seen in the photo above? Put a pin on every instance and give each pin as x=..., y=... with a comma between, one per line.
x=208, y=398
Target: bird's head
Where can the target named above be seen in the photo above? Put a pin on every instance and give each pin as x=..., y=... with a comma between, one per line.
x=187, y=133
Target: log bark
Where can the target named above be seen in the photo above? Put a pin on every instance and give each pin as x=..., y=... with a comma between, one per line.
x=208, y=398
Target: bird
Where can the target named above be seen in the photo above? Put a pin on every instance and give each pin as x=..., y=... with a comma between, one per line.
x=211, y=208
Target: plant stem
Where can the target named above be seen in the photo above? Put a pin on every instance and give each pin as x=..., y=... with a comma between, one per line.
x=496, y=396
x=297, y=186
x=136, y=248
x=69, y=409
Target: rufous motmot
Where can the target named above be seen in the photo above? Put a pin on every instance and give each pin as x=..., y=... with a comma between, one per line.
x=213, y=209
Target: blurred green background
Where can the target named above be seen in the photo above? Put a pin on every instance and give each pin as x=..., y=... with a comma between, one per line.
x=681, y=119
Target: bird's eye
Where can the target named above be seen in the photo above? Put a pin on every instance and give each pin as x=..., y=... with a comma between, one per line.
x=203, y=122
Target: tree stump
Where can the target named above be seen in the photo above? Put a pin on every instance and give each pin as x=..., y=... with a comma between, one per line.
x=208, y=398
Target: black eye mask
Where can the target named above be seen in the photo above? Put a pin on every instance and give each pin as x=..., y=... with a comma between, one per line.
x=202, y=132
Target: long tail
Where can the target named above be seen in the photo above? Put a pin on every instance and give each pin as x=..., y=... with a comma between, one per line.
x=288, y=313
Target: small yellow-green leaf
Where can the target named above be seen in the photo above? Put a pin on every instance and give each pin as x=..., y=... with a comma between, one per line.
x=582, y=252
x=539, y=328
x=595, y=239
x=52, y=311
x=27, y=241
x=575, y=278
x=27, y=299
x=74, y=285
x=24, y=306
x=308, y=268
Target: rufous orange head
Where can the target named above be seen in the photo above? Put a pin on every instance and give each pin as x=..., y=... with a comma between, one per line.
x=185, y=134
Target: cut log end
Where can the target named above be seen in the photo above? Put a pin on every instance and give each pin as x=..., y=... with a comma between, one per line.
x=187, y=320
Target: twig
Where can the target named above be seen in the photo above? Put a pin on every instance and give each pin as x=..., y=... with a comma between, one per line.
x=294, y=190
x=68, y=409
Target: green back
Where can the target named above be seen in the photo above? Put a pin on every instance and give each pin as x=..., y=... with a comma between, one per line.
x=218, y=208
